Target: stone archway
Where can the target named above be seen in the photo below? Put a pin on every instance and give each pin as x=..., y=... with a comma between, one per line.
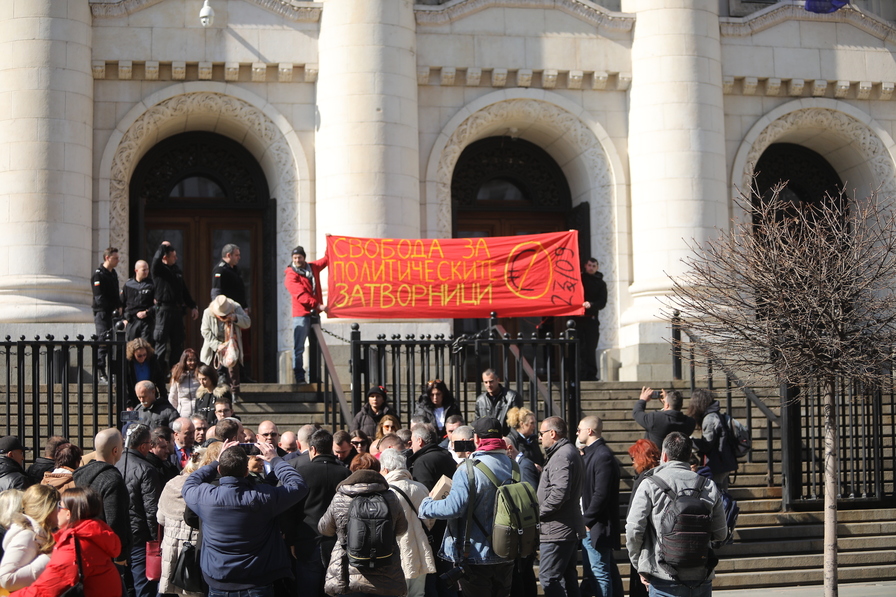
x=233, y=117
x=866, y=164
x=578, y=149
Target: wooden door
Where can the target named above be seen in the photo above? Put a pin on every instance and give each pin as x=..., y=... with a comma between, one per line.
x=198, y=236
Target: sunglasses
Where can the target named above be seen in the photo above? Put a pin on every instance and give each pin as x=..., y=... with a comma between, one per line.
x=433, y=382
x=358, y=443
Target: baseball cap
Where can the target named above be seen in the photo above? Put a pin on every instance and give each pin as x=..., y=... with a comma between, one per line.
x=486, y=427
x=10, y=443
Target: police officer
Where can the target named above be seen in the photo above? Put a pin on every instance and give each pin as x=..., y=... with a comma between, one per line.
x=226, y=277
x=171, y=295
x=105, y=302
x=137, y=301
x=226, y=280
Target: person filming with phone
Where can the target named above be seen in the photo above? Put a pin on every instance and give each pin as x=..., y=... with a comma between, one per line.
x=659, y=424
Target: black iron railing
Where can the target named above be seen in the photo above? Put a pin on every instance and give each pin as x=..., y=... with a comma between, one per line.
x=699, y=356
x=542, y=370
x=866, y=425
x=50, y=387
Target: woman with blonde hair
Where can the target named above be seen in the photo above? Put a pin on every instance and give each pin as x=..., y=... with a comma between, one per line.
x=29, y=539
x=10, y=505
x=84, y=543
x=388, y=424
x=522, y=434
x=171, y=516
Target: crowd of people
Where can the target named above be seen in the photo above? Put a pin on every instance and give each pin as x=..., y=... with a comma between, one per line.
x=378, y=509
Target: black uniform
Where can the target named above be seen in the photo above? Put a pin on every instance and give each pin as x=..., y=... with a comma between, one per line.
x=105, y=302
x=171, y=295
x=588, y=327
x=138, y=296
x=226, y=280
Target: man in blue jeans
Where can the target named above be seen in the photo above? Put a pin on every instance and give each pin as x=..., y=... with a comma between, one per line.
x=301, y=279
x=243, y=553
x=600, y=508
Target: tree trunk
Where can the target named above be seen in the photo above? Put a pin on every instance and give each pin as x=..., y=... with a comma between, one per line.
x=831, y=448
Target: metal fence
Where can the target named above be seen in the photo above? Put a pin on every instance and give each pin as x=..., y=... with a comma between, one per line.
x=866, y=425
x=542, y=370
x=50, y=387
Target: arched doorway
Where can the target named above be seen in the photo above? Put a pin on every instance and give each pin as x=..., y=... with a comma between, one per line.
x=201, y=191
x=809, y=177
x=503, y=186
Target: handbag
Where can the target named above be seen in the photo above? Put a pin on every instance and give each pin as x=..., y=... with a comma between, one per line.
x=187, y=573
x=76, y=590
x=154, y=558
x=228, y=354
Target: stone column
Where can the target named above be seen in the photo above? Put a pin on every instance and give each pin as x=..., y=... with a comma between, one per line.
x=46, y=141
x=677, y=162
x=367, y=155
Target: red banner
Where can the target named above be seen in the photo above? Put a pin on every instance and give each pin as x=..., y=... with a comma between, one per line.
x=515, y=276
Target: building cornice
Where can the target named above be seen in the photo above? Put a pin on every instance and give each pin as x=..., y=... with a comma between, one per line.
x=300, y=12
x=588, y=12
x=794, y=11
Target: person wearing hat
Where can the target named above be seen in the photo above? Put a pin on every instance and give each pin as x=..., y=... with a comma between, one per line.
x=486, y=574
x=219, y=323
x=12, y=461
x=302, y=280
x=371, y=413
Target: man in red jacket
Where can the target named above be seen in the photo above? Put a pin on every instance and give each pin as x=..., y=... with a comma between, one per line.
x=301, y=279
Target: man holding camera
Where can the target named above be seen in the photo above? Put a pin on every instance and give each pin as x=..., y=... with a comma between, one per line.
x=242, y=548
x=657, y=425
x=478, y=569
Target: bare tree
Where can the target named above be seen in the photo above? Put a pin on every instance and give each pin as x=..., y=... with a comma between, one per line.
x=800, y=292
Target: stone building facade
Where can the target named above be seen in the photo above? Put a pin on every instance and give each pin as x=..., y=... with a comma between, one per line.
x=123, y=122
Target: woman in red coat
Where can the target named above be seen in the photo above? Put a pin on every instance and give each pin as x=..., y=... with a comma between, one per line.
x=99, y=544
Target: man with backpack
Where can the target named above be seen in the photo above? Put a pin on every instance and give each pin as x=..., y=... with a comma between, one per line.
x=562, y=525
x=675, y=517
x=482, y=568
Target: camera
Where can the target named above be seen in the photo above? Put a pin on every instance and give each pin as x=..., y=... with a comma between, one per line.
x=453, y=576
x=656, y=395
x=250, y=449
x=128, y=416
x=464, y=445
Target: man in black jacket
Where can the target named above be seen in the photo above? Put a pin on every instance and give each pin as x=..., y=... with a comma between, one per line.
x=226, y=277
x=12, y=460
x=588, y=325
x=159, y=455
x=144, y=490
x=137, y=300
x=171, y=295
x=102, y=476
x=151, y=411
x=496, y=400
x=600, y=508
x=106, y=301
x=47, y=462
x=661, y=423
x=322, y=474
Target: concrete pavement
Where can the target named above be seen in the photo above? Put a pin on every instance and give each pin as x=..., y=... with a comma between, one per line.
x=873, y=589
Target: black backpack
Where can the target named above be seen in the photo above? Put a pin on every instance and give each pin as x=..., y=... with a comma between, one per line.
x=370, y=536
x=685, y=533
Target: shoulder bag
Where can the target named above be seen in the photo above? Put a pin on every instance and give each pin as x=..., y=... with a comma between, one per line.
x=76, y=590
